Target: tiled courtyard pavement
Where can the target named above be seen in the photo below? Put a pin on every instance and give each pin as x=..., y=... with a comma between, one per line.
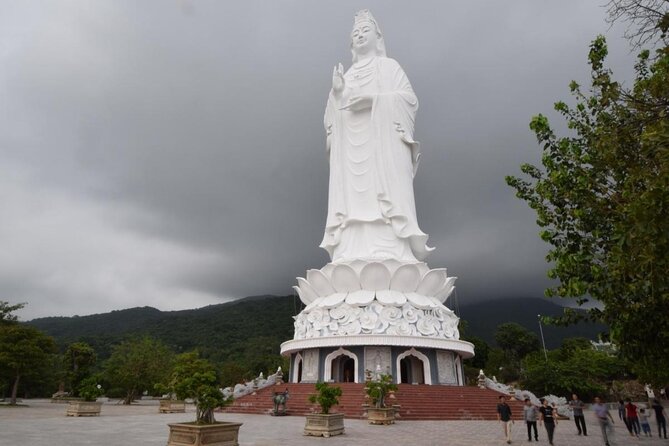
x=45, y=424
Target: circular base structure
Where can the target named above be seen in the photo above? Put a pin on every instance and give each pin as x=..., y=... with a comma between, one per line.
x=413, y=360
x=367, y=318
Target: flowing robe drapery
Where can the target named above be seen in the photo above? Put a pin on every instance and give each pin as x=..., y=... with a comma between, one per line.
x=373, y=158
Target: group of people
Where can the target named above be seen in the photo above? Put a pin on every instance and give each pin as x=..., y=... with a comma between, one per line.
x=635, y=418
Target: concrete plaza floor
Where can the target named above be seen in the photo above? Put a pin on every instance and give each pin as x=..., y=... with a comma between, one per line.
x=43, y=423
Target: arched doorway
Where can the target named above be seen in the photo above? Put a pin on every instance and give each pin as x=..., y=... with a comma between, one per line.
x=341, y=366
x=297, y=374
x=343, y=369
x=413, y=368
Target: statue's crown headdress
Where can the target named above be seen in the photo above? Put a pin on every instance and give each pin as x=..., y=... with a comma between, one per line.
x=364, y=16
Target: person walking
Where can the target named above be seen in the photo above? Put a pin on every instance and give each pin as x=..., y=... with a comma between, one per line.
x=576, y=407
x=632, y=418
x=603, y=416
x=661, y=418
x=530, y=416
x=504, y=417
x=643, y=419
x=548, y=418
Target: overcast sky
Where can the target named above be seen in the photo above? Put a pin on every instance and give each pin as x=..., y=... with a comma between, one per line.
x=171, y=153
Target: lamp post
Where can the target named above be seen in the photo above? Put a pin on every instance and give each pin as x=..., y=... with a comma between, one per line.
x=541, y=330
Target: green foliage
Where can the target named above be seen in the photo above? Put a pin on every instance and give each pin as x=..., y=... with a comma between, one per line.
x=137, y=365
x=602, y=201
x=78, y=360
x=378, y=389
x=247, y=332
x=194, y=377
x=516, y=341
x=574, y=368
x=6, y=310
x=90, y=388
x=502, y=366
x=481, y=350
x=326, y=397
x=25, y=353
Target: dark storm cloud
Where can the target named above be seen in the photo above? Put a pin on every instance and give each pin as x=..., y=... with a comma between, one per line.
x=171, y=153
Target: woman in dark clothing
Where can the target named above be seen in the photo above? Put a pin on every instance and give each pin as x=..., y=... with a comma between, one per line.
x=549, y=419
x=660, y=416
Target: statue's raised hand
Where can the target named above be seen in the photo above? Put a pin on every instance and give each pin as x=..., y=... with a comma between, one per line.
x=338, y=83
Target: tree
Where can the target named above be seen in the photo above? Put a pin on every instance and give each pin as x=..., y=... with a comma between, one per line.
x=6, y=310
x=646, y=19
x=79, y=359
x=25, y=352
x=516, y=340
x=602, y=201
x=137, y=365
x=573, y=368
x=194, y=377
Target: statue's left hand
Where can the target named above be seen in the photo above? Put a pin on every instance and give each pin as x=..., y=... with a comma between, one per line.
x=358, y=103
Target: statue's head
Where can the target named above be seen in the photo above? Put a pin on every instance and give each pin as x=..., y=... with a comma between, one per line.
x=366, y=36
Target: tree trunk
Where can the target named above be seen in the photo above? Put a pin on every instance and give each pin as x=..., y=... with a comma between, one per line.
x=129, y=397
x=15, y=389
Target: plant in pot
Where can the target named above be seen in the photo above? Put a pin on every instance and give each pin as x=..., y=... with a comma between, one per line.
x=378, y=390
x=172, y=402
x=195, y=378
x=325, y=424
x=89, y=390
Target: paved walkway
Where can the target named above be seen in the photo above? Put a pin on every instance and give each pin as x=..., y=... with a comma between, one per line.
x=45, y=424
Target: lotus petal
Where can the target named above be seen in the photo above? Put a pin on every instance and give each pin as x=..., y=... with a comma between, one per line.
x=374, y=276
x=392, y=265
x=419, y=301
x=446, y=291
x=405, y=279
x=299, y=293
x=360, y=297
x=357, y=265
x=432, y=282
x=319, y=282
x=423, y=268
x=307, y=294
x=327, y=270
x=390, y=297
x=332, y=300
x=344, y=279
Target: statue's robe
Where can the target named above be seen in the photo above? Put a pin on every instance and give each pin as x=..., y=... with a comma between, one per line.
x=373, y=159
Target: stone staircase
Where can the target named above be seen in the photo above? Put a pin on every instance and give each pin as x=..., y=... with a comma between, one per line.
x=418, y=402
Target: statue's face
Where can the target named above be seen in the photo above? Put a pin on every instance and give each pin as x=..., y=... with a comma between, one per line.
x=364, y=37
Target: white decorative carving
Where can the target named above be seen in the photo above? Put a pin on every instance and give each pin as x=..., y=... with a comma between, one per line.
x=310, y=366
x=446, y=368
x=378, y=358
x=376, y=318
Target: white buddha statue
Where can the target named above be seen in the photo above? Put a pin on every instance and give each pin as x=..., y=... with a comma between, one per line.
x=369, y=121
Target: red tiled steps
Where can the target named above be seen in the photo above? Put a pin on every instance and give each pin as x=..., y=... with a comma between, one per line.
x=418, y=402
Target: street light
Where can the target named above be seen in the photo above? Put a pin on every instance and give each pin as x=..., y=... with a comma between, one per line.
x=541, y=330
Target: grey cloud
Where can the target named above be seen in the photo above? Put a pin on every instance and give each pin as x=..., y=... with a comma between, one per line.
x=187, y=140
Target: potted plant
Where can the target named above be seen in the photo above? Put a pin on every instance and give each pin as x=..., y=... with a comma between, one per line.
x=195, y=378
x=325, y=424
x=174, y=402
x=377, y=390
x=89, y=390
